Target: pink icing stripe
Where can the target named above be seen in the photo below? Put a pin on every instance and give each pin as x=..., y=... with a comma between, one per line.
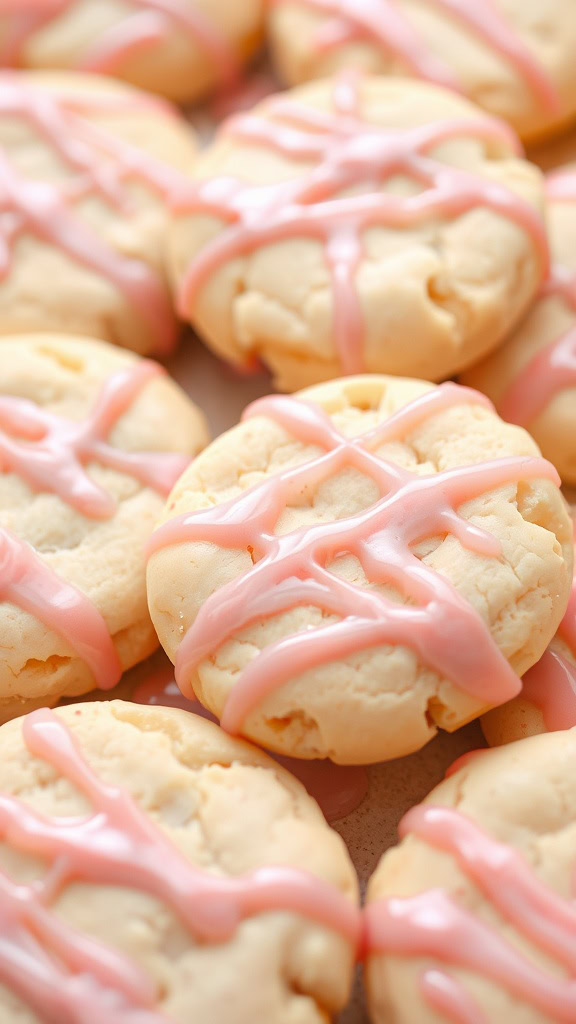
x=338, y=789
x=383, y=22
x=52, y=967
x=553, y=368
x=293, y=569
x=450, y=999
x=551, y=687
x=345, y=152
x=432, y=924
x=27, y=582
x=54, y=451
x=99, y=165
x=151, y=23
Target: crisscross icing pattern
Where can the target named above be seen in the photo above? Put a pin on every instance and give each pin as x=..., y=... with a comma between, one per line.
x=383, y=22
x=69, y=978
x=553, y=369
x=294, y=569
x=100, y=165
x=150, y=22
x=345, y=152
x=50, y=452
x=434, y=924
x=27, y=582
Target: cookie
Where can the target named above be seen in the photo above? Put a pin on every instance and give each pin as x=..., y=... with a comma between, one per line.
x=532, y=378
x=352, y=568
x=87, y=171
x=91, y=441
x=512, y=58
x=548, y=698
x=178, y=48
x=155, y=870
x=471, y=918
x=359, y=225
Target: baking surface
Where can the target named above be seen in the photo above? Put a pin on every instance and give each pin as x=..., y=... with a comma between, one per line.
x=395, y=786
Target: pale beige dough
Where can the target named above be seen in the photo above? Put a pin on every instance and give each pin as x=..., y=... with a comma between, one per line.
x=230, y=810
x=523, y=795
x=44, y=287
x=175, y=63
x=546, y=28
x=102, y=558
x=434, y=296
x=383, y=702
x=551, y=317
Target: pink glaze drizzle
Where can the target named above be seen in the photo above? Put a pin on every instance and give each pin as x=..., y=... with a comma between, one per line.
x=551, y=687
x=553, y=368
x=27, y=582
x=338, y=789
x=344, y=152
x=99, y=165
x=50, y=452
x=72, y=979
x=433, y=924
x=294, y=569
x=384, y=23
x=151, y=23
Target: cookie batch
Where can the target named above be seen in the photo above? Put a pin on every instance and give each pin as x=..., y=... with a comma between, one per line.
x=218, y=635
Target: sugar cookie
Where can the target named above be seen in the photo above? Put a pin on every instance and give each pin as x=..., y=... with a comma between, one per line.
x=354, y=567
x=91, y=441
x=511, y=57
x=154, y=870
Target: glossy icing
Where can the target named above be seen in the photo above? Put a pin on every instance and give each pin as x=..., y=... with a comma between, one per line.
x=68, y=978
x=338, y=789
x=553, y=368
x=339, y=152
x=433, y=924
x=51, y=452
x=28, y=583
x=384, y=23
x=100, y=166
x=149, y=23
x=293, y=569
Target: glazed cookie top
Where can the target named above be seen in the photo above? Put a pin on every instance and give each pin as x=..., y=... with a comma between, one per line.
x=179, y=48
x=512, y=58
x=359, y=224
x=472, y=917
x=532, y=378
x=91, y=442
x=353, y=567
x=146, y=857
x=88, y=168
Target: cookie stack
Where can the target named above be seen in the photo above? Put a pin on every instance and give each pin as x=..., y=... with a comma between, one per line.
x=380, y=551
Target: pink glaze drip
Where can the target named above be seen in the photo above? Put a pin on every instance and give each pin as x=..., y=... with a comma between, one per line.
x=384, y=23
x=151, y=23
x=450, y=999
x=99, y=165
x=553, y=368
x=70, y=978
x=27, y=582
x=50, y=452
x=293, y=569
x=433, y=924
x=344, y=152
x=551, y=687
x=338, y=789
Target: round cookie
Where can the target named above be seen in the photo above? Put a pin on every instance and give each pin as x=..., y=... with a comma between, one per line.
x=178, y=48
x=511, y=57
x=91, y=441
x=548, y=698
x=354, y=567
x=472, y=918
x=532, y=377
x=154, y=870
x=359, y=225
x=88, y=169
